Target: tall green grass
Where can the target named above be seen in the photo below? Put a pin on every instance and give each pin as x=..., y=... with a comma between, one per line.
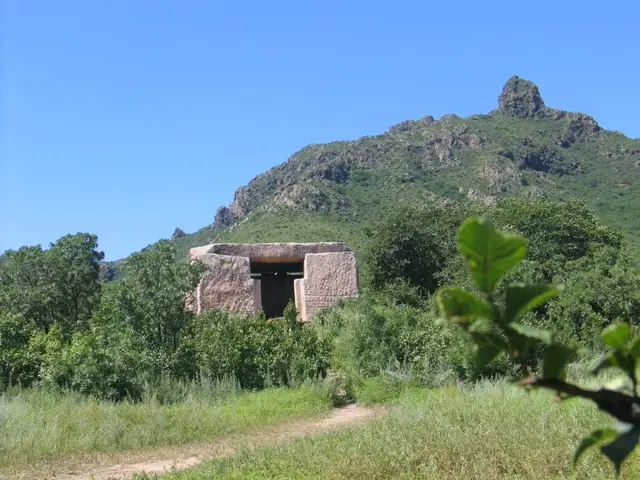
x=487, y=431
x=37, y=425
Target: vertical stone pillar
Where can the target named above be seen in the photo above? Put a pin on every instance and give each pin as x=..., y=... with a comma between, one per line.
x=328, y=278
x=227, y=284
x=257, y=295
x=298, y=294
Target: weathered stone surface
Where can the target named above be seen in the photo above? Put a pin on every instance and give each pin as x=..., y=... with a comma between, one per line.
x=196, y=252
x=521, y=98
x=298, y=293
x=191, y=301
x=409, y=125
x=275, y=252
x=310, y=197
x=257, y=295
x=224, y=218
x=227, y=284
x=581, y=128
x=330, y=274
x=106, y=272
x=178, y=233
x=328, y=277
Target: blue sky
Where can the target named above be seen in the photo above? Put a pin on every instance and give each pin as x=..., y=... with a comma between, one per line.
x=129, y=118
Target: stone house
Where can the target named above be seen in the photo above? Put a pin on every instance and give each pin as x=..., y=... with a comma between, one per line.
x=250, y=277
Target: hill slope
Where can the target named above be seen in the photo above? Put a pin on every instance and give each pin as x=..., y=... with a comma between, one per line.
x=329, y=191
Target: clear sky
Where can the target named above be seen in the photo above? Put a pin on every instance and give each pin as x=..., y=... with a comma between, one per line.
x=127, y=118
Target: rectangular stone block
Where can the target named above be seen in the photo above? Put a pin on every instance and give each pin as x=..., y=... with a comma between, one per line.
x=227, y=284
x=328, y=278
x=257, y=295
x=331, y=274
x=298, y=294
x=275, y=252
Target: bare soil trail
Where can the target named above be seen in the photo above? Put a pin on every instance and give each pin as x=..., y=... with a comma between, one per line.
x=119, y=465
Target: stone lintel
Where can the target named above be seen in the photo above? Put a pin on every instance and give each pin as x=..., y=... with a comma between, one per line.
x=269, y=252
x=197, y=252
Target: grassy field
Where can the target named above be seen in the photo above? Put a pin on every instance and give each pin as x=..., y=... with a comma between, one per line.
x=39, y=426
x=488, y=431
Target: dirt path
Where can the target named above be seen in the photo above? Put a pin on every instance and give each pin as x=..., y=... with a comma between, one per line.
x=110, y=467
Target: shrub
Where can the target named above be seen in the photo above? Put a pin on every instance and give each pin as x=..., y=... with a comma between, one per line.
x=371, y=336
x=413, y=245
x=557, y=232
x=150, y=299
x=104, y=362
x=19, y=364
x=256, y=351
x=60, y=284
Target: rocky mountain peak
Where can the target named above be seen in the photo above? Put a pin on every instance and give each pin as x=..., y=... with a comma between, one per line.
x=521, y=98
x=178, y=233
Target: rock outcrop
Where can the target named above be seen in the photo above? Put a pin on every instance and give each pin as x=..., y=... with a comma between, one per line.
x=409, y=125
x=309, y=197
x=224, y=218
x=178, y=233
x=581, y=128
x=521, y=98
x=106, y=272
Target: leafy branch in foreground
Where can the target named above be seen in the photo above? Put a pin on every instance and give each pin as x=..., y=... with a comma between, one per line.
x=493, y=328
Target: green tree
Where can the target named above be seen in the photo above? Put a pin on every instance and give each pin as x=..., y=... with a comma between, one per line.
x=60, y=284
x=601, y=288
x=18, y=365
x=556, y=231
x=413, y=245
x=493, y=324
x=27, y=287
x=150, y=299
x=75, y=268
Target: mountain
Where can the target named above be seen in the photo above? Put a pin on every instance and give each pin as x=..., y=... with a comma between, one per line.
x=329, y=191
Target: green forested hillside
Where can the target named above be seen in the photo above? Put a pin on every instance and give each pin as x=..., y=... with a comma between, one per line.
x=523, y=148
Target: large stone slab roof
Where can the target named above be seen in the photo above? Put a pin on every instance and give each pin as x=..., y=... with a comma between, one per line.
x=269, y=252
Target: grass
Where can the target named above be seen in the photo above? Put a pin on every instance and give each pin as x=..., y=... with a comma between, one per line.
x=490, y=430
x=37, y=425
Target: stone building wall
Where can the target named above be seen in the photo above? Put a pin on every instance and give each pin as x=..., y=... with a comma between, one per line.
x=330, y=274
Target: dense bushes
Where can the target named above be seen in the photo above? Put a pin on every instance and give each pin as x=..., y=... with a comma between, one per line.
x=413, y=245
x=395, y=328
x=17, y=361
x=554, y=230
x=58, y=285
x=374, y=334
x=256, y=351
x=417, y=245
x=59, y=325
x=137, y=331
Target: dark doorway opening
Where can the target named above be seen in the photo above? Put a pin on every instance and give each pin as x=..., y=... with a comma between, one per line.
x=276, y=284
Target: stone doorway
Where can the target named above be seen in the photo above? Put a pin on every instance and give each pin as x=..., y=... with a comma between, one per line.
x=276, y=284
x=250, y=277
